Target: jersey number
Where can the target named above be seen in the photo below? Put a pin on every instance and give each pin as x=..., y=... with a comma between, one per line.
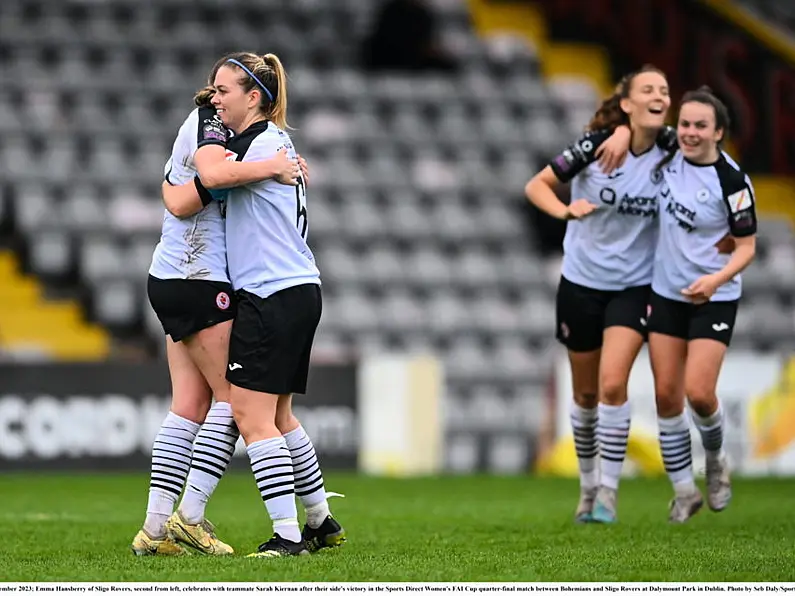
x=301, y=221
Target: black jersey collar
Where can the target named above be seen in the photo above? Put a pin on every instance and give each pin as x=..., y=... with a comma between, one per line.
x=253, y=130
x=705, y=165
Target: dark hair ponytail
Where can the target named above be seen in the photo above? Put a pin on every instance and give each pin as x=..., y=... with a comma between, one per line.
x=609, y=115
x=204, y=96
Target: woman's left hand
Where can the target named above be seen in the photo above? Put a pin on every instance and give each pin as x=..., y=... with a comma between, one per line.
x=702, y=290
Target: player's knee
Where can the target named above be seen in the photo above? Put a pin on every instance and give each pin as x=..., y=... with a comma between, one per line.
x=613, y=390
x=241, y=413
x=669, y=399
x=586, y=399
x=195, y=410
x=253, y=415
x=221, y=392
x=702, y=398
x=286, y=422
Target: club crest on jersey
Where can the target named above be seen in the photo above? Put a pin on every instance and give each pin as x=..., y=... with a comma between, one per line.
x=656, y=176
x=740, y=200
x=222, y=301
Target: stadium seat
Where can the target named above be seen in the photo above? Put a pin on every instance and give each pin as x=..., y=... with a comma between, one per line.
x=415, y=202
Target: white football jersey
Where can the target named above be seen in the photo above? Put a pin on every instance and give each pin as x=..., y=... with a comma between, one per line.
x=612, y=248
x=701, y=205
x=267, y=222
x=193, y=247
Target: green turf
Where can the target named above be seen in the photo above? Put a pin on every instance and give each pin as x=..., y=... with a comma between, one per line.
x=78, y=528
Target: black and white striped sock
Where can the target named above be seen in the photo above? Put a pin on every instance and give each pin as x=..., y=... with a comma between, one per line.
x=273, y=472
x=583, y=425
x=308, y=476
x=212, y=452
x=613, y=431
x=711, y=430
x=677, y=452
x=171, y=455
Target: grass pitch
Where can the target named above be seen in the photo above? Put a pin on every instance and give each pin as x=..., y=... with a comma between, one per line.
x=78, y=528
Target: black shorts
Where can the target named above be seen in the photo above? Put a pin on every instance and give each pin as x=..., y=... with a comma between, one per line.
x=584, y=313
x=712, y=320
x=186, y=306
x=272, y=339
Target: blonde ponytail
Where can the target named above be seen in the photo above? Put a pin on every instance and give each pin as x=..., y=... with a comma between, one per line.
x=267, y=75
x=278, y=108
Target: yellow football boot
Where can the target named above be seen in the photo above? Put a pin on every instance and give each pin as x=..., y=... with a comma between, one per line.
x=144, y=545
x=199, y=536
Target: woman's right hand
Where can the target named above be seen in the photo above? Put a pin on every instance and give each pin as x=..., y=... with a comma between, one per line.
x=579, y=209
x=287, y=170
x=612, y=153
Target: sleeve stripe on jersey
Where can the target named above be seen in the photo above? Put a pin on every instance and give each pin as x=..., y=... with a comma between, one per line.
x=578, y=156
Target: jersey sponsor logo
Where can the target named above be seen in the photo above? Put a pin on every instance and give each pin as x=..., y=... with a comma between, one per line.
x=684, y=217
x=743, y=219
x=230, y=155
x=211, y=133
x=213, y=129
x=564, y=161
x=740, y=201
x=222, y=301
x=638, y=206
x=607, y=196
x=702, y=196
x=627, y=205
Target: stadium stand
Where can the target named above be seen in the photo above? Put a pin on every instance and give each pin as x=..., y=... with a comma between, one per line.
x=776, y=13
x=416, y=208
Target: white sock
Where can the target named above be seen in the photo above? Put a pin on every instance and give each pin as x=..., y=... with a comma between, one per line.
x=308, y=477
x=677, y=452
x=212, y=452
x=273, y=472
x=711, y=431
x=583, y=425
x=171, y=453
x=613, y=431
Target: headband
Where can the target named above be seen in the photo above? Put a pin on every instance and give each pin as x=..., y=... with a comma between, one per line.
x=251, y=74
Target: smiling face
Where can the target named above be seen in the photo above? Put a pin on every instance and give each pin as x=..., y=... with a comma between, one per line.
x=648, y=100
x=697, y=132
x=231, y=101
